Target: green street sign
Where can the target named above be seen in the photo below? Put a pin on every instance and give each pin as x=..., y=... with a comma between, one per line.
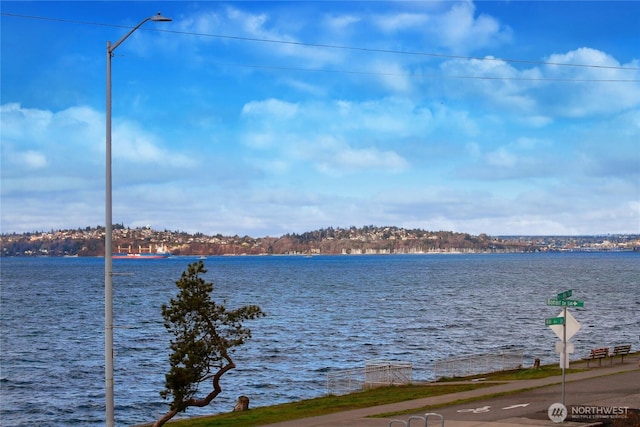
x=565, y=294
x=554, y=321
x=565, y=302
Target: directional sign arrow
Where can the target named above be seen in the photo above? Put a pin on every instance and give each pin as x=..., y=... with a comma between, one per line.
x=565, y=302
x=519, y=405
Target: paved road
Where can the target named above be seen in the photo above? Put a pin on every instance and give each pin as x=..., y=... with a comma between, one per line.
x=620, y=390
x=526, y=403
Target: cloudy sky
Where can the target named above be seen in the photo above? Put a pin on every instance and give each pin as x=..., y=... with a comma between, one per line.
x=264, y=118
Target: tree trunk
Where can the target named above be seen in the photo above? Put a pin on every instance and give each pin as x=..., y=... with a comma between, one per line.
x=165, y=418
x=204, y=401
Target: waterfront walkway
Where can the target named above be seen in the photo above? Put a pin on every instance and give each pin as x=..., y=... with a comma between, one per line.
x=507, y=404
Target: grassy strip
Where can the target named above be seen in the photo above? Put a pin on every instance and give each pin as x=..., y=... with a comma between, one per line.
x=374, y=397
x=326, y=405
x=517, y=374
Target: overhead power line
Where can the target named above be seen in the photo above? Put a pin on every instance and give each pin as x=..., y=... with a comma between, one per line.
x=397, y=52
x=363, y=49
x=429, y=76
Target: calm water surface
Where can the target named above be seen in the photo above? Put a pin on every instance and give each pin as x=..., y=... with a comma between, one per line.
x=323, y=313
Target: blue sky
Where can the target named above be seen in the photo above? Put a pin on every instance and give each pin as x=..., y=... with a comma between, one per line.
x=264, y=118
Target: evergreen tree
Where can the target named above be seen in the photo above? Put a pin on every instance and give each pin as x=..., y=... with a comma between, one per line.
x=204, y=336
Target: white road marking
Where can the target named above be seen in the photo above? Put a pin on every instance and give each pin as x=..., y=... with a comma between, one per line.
x=519, y=405
x=476, y=410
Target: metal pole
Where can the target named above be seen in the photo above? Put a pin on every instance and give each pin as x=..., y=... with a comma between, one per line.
x=108, y=236
x=108, y=260
x=564, y=351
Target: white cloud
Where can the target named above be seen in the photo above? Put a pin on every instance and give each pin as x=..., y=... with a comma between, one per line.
x=336, y=137
x=524, y=158
x=370, y=158
x=586, y=95
x=588, y=63
x=270, y=107
x=459, y=30
x=257, y=26
x=259, y=140
x=535, y=121
x=334, y=156
x=400, y=21
x=42, y=141
x=340, y=23
x=393, y=76
x=68, y=146
x=393, y=117
x=492, y=80
x=502, y=158
x=23, y=123
x=32, y=159
x=539, y=95
x=132, y=143
x=201, y=22
x=312, y=89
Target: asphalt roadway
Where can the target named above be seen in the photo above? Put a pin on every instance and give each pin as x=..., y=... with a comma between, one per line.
x=610, y=387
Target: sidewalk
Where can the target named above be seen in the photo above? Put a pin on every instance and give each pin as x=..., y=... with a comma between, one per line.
x=359, y=417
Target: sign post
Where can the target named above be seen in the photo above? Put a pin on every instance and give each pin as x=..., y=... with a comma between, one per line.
x=564, y=326
x=565, y=362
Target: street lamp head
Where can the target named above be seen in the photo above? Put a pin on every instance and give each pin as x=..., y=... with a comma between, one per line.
x=160, y=18
x=157, y=18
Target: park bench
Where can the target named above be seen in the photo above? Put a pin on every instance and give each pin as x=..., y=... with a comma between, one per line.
x=598, y=353
x=620, y=350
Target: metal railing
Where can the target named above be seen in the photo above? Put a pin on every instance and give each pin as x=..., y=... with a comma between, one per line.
x=418, y=418
x=474, y=364
x=379, y=372
x=376, y=373
x=344, y=381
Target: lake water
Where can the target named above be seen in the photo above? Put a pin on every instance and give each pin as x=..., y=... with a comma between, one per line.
x=323, y=313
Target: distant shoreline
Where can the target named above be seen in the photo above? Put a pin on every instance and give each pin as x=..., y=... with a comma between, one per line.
x=449, y=253
x=369, y=240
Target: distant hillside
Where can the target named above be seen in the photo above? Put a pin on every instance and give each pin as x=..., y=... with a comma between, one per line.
x=363, y=240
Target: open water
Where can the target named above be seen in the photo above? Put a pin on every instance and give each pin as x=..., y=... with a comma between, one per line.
x=323, y=313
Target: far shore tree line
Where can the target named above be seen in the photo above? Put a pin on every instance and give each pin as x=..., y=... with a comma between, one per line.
x=363, y=240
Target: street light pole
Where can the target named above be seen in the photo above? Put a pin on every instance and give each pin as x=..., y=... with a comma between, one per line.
x=108, y=252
